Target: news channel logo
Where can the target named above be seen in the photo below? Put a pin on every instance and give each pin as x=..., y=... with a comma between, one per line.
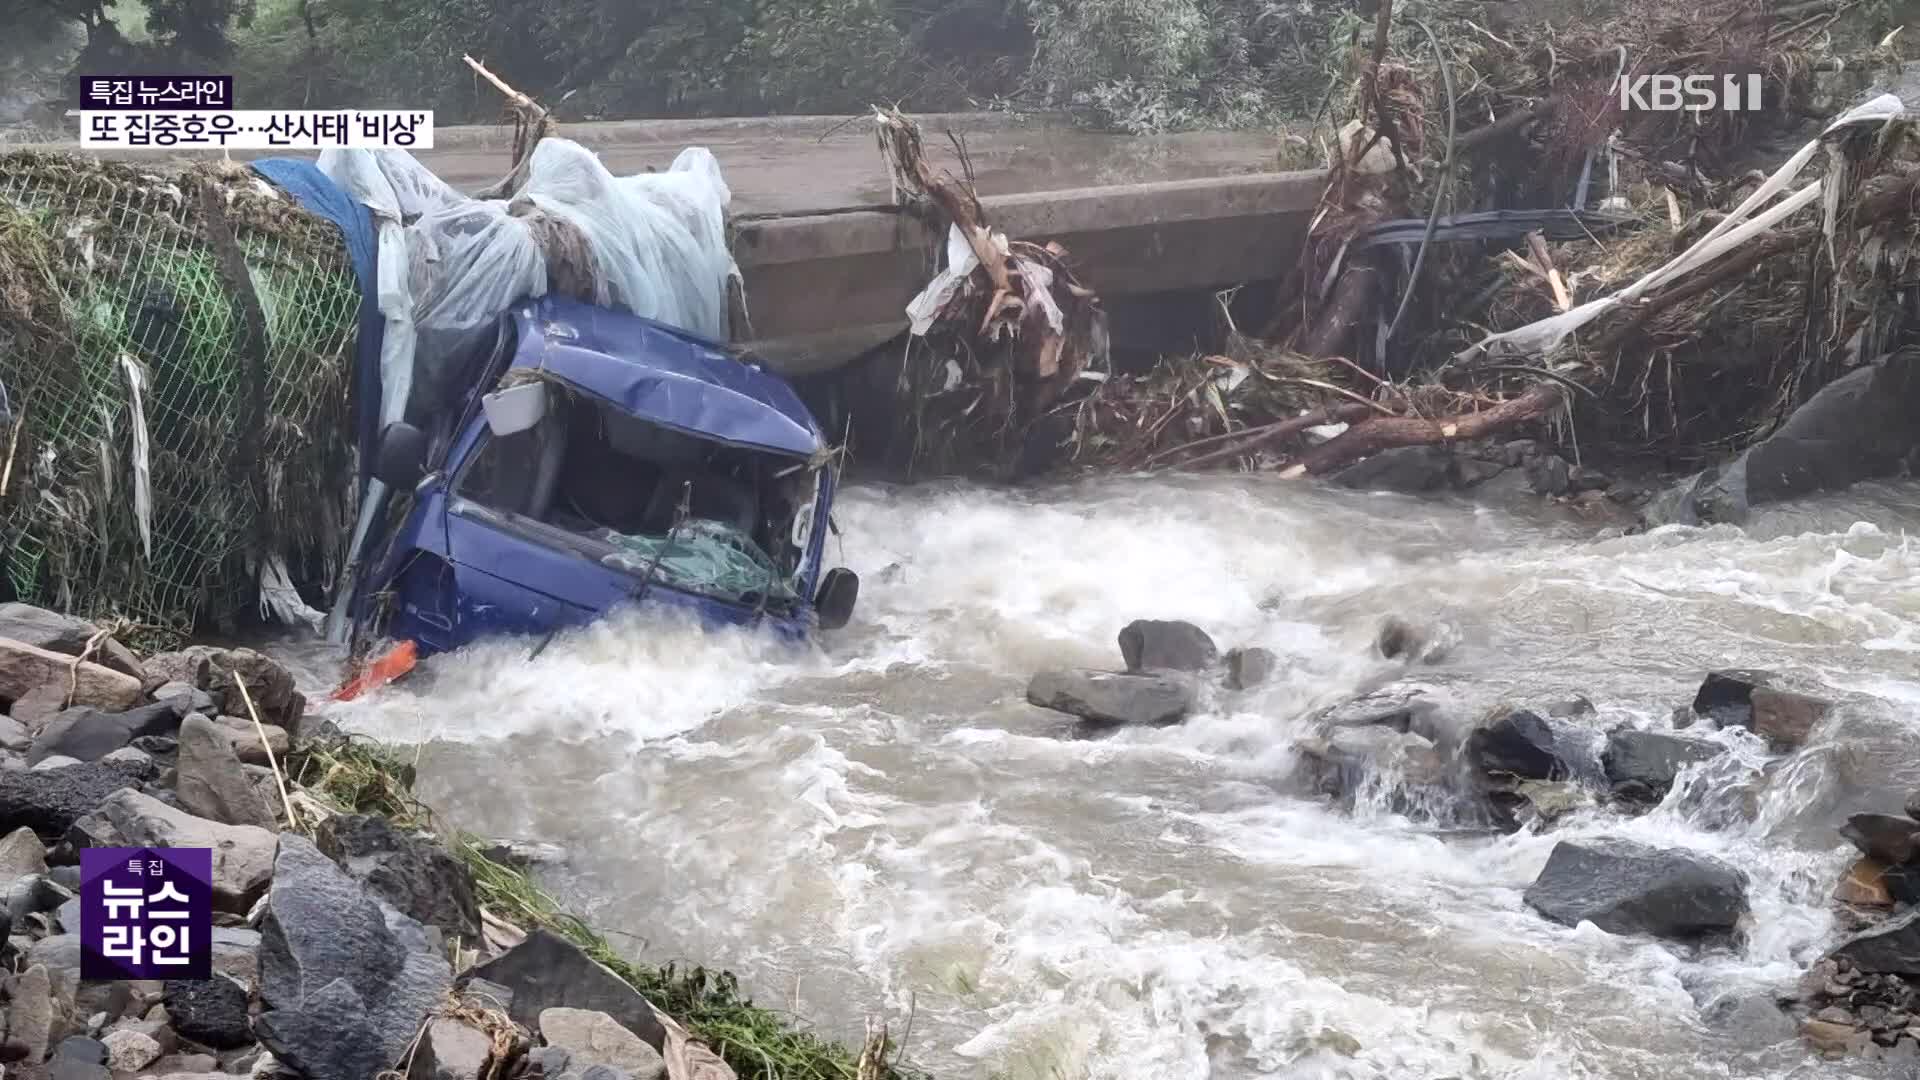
x=1691, y=93
x=146, y=913
x=197, y=111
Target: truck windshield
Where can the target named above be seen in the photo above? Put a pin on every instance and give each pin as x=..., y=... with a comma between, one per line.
x=698, y=516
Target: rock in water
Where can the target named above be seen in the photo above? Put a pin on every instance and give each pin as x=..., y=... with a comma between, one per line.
x=548, y=972
x=1652, y=758
x=1786, y=719
x=1625, y=887
x=1157, y=645
x=1250, y=667
x=210, y=781
x=594, y=1038
x=1725, y=698
x=242, y=854
x=1891, y=948
x=1520, y=744
x=89, y=734
x=1889, y=839
x=1411, y=470
x=347, y=980
x=412, y=873
x=1864, y=884
x=1107, y=697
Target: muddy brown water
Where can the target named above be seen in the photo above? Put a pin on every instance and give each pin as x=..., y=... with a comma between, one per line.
x=884, y=826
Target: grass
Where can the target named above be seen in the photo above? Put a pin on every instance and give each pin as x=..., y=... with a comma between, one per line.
x=359, y=775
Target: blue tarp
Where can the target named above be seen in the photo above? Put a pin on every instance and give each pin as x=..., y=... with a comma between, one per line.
x=319, y=195
x=668, y=376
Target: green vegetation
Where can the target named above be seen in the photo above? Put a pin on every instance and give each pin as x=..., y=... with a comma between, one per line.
x=359, y=775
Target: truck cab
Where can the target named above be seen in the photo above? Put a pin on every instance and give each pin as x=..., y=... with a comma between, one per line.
x=604, y=460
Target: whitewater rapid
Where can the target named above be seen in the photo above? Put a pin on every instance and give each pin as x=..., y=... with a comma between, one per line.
x=883, y=826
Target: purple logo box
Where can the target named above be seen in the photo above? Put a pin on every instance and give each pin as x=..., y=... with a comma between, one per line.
x=157, y=93
x=146, y=913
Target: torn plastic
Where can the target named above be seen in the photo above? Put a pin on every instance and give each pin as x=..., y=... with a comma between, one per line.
x=1739, y=226
x=961, y=262
x=142, y=457
x=279, y=600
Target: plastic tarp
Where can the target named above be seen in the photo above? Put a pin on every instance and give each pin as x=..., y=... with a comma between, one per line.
x=1738, y=227
x=449, y=265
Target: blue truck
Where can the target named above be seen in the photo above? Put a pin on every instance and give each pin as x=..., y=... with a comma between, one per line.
x=642, y=465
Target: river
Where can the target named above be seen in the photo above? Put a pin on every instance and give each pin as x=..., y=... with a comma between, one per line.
x=885, y=826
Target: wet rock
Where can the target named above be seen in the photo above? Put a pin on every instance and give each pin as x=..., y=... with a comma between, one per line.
x=1399, y=639
x=1519, y=744
x=85, y=734
x=525, y=853
x=1105, y=697
x=1865, y=884
x=451, y=1050
x=49, y=801
x=24, y=668
x=1625, y=887
x=212, y=1013
x=1343, y=762
x=1725, y=698
x=415, y=874
x=1832, y=1037
x=1786, y=719
x=1551, y=800
x=242, y=854
x=1163, y=645
x=66, y=635
x=1653, y=759
x=594, y=1038
x=210, y=781
x=128, y=1051
x=348, y=980
x=547, y=972
x=1411, y=470
x=1474, y=471
x=30, y=1011
x=1549, y=474
x=1890, y=840
x=1891, y=948
x=1250, y=667
x=1404, y=706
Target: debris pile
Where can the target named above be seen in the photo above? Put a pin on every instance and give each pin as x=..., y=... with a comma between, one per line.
x=173, y=348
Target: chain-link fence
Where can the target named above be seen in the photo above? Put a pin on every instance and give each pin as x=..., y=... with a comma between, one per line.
x=122, y=348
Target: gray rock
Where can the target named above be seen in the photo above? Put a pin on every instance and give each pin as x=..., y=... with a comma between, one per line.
x=1162, y=645
x=37, y=707
x=1411, y=470
x=60, y=955
x=49, y=801
x=415, y=874
x=198, y=1064
x=131, y=758
x=1250, y=667
x=1403, y=706
x=347, y=980
x=128, y=1051
x=1346, y=759
x=1523, y=745
x=1892, y=840
x=1549, y=474
x=1890, y=948
x=210, y=780
x=236, y=953
x=87, y=734
x=1913, y=806
x=525, y=853
x=22, y=853
x=190, y=699
x=1652, y=758
x=550, y=1061
x=487, y=995
x=1625, y=887
x=1106, y=697
x=547, y=972
x=14, y=735
x=30, y=1010
x=211, y=1012
x=61, y=761
x=66, y=635
x=220, y=671
x=243, y=855
x=594, y=1038
x=1725, y=698
x=248, y=744
x=450, y=1050
x=82, y=1048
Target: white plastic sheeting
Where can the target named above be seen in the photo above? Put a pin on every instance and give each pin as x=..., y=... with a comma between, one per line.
x=1740, y=226
x=449, y=265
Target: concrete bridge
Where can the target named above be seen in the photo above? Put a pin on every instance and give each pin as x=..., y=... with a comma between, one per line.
x=830, y=265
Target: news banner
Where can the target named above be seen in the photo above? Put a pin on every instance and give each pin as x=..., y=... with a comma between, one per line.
x=166, y=111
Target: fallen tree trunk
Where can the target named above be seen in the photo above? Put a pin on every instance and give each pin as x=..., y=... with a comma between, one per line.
x=1386, y=433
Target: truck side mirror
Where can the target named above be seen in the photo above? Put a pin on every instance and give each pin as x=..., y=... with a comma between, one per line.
x=401, y=459
x=833, y=607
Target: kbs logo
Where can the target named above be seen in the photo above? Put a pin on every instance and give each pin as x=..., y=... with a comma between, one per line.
x=1673, y=93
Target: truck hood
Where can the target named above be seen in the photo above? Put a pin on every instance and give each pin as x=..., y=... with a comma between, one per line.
x=664, y=375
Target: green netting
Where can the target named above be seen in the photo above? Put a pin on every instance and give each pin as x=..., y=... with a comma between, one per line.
x=106, y=267
x=707, y=557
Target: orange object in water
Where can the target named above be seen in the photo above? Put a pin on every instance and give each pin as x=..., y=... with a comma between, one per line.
x=397, y=662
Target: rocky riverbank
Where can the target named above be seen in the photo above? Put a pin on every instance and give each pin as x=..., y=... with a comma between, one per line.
x=1403, y=748
x=353, y=938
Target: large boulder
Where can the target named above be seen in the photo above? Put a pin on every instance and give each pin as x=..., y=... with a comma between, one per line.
x=1523, y=745
x=1886, y=838
x=1652, y=758
x=25, y=668
x=243, y=855
x=1402, y=706
x=49, y=801
x=1106, y=697
x=414, y=873
x=87, y=734
x=548, y=972
x=1161, y=645
x=66, y=635
x=219, y=672
x=210, y=780
x=1624, y=887
x=347, y=979
x=1250, y=667
x=1751, y=700
x=1411, y=470
x=1348, y=761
